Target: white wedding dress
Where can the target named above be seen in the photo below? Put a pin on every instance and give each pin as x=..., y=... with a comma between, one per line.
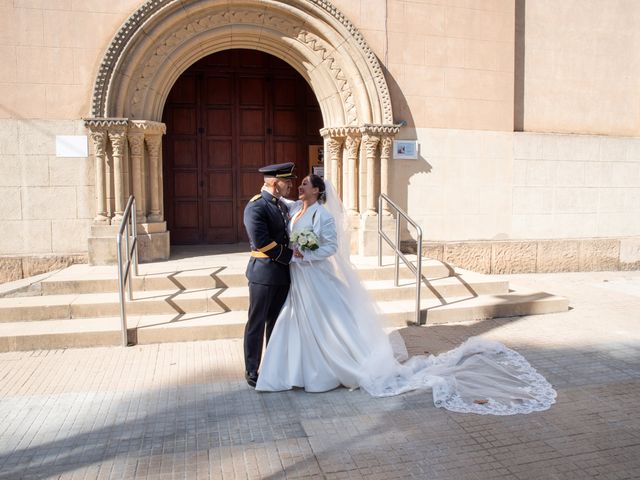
x=329, y=334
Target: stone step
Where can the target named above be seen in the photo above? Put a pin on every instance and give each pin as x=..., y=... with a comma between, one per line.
x=100, y=279
x=161, y=328
x=460, y=309
x=106, y=331
x=87, y=305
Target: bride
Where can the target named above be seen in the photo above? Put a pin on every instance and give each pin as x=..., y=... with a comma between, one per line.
x=329, y=333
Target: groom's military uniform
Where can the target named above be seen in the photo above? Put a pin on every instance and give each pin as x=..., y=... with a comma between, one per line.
x=265, y=219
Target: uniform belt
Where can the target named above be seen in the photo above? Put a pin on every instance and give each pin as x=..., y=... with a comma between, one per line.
x=257, y=254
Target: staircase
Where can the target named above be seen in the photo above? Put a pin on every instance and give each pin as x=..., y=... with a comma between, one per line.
x=201, y=295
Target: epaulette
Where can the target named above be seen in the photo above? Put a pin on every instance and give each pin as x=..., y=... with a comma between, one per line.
x=255, y=197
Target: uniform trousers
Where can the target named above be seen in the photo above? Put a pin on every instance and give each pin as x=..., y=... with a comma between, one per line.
x=265, y=303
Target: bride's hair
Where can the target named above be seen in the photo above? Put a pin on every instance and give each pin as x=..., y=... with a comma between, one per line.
x=318, y=182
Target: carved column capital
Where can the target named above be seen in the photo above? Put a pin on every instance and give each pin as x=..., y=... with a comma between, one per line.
x=154, y=143
x=334, y=144
x=117, y=136
x=385, y=147
x=136, y=143
x=351, y=144
x=370, y=143
x=99, y=142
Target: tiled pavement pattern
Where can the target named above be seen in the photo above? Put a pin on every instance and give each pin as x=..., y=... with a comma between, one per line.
x=183, y=410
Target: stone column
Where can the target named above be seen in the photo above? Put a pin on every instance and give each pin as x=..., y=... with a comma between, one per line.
x=350, y=179
x=99, y=141
x=385, y=156
x=370, y=143
x=136, y=147
x=334, y=149
x=117, y=136
x=154, y=146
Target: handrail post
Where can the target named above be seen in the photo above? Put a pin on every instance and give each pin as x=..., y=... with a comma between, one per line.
x=397, y=262
x=135, y=237
x=419, y=276
x=127, y=279
x=124, y=273
x=380, y=231
x=396, y=247
x=123, y=313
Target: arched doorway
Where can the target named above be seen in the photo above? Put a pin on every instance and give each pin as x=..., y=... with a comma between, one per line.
x=227, y=115
x=161, y=40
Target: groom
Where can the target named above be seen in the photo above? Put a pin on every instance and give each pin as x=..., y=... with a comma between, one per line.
x=266, y=217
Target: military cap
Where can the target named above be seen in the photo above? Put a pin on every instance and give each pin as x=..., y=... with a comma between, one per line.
x=279, y=170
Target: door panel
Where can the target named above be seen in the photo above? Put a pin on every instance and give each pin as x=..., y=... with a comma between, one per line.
x=185, y=152
x=219, y=153
x=219, y=122
x=252, y=154
x=228, y=115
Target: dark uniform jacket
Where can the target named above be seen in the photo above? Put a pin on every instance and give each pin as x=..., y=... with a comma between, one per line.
x=266, y=218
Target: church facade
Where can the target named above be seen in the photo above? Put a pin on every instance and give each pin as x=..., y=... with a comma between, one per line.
x=508, y=129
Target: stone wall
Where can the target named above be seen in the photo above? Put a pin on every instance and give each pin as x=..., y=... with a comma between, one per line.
x=47, y=201
x=577, y=67
x=19, y=267
x=521, y=256
x=476, y=185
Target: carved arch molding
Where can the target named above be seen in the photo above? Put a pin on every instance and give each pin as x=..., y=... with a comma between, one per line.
x=164, y=37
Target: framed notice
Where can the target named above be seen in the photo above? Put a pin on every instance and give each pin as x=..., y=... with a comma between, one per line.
x=405, y=149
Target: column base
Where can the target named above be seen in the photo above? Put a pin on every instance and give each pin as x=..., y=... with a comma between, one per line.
x=153, y=243
x=368, y=234
x=101, y=220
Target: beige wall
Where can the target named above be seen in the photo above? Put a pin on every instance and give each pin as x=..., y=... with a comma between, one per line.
x=581, y=68
x=450, y=62
x=568, y=186
x=450, y=68
x=50, y=51
x=476, y=185
x=46, y=200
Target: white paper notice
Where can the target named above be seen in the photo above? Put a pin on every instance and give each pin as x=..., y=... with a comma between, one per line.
x=72, y=146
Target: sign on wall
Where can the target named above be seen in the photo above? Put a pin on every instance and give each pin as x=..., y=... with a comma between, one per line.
x=405, y=149
x=72, y=146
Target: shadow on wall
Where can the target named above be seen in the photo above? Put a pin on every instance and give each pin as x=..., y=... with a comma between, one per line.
x=402, y=171
x=518, y=84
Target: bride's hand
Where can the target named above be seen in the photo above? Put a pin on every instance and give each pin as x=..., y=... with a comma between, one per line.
x=297, y=253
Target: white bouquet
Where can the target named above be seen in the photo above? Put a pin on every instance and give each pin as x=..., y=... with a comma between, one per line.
x=305, y=239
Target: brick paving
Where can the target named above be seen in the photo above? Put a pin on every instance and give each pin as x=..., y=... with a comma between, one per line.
x=183, y=410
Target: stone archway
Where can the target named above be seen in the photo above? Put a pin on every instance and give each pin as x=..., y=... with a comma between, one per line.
x=164, y=37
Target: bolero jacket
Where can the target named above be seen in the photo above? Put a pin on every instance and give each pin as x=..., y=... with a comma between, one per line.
x=318, y=219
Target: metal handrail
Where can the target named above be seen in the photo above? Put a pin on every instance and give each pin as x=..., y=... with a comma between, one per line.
x=128, y=217
x=417, y=269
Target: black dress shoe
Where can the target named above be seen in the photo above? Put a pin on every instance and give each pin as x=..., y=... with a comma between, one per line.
x=252, y=378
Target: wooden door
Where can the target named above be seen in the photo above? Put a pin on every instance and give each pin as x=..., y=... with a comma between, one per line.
x=228, y=115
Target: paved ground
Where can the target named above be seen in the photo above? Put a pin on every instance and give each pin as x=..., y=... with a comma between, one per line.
x=183, y=410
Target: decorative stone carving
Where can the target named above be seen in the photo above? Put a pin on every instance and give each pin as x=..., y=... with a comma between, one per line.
x=154, y=144
x=155, y=13
x=99, y=142
x=385, y=155
x=118, y=136
x=334, y=147
x=370, y=143
x=136, y=147
x=350, y=180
